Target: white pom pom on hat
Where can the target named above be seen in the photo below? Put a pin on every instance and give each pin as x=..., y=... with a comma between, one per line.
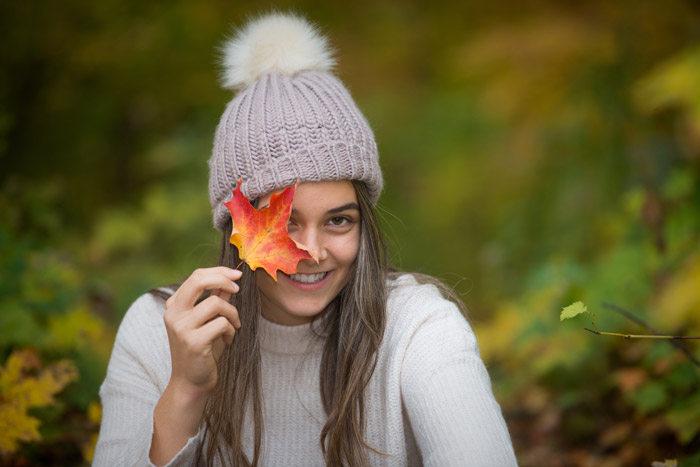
x=277, y=42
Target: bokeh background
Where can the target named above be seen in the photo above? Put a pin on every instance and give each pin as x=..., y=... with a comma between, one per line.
x=535, y=152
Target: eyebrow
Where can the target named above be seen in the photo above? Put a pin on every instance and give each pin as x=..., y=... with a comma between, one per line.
x=344, y=207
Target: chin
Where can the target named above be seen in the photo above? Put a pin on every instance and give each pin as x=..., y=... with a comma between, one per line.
x=292, y=313
x=305, y=311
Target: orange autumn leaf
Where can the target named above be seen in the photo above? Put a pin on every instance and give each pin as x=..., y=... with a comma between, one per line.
x=261, y=234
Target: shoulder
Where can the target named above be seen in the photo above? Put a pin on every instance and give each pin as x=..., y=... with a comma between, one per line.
x=420, y=318
x=148, y=309
x=141, y=349
x=142, y=326
x=413, y=304
x=406, y=288
x=445, y=387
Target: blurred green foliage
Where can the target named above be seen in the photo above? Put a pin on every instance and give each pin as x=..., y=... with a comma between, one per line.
x=535, y=154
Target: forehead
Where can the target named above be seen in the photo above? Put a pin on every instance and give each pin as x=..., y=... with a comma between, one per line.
x=326, y=191
x=321, y=196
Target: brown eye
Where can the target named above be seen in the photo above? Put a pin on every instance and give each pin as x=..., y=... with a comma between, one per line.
x=339, y=220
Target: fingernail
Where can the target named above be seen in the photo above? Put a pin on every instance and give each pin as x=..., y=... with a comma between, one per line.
x=236, y=273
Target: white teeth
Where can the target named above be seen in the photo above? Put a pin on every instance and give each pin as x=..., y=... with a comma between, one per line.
x=308, y=278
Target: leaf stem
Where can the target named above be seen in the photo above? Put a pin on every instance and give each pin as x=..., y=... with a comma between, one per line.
x=239, y=264
x=593, y=321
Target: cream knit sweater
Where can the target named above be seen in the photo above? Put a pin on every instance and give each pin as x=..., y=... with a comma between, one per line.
x=429, y=401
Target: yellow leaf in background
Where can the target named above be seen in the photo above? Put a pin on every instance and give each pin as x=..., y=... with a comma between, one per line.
x=665, y=463
x=678, y=304
x=11, y=372
x=674, y=82
x=88, y=448
x=74, y=329
x=496, y=337
x=16, y=426
x=52, y=380
x=94, y=414
x=80, y=328
x=19, y=391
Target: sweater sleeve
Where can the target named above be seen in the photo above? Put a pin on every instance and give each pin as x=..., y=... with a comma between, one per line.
x=447, y=393
x=138, y=372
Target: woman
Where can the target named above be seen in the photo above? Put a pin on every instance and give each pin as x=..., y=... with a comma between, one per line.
x=341, y=363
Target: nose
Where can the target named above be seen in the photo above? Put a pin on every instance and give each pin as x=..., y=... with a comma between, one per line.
x=311, y=239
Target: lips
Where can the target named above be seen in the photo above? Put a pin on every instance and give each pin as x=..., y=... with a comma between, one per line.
x=308, y=278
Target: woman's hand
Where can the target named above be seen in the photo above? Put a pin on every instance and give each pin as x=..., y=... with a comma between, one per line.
x=197, y=333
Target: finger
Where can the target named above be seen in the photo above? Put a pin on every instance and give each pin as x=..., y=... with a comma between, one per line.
x=208, y=310
x=225, y=296
x=204, y=279
x=217, y=328
x=218, y=346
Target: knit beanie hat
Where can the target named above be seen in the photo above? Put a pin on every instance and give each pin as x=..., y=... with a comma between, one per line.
x=291, y=118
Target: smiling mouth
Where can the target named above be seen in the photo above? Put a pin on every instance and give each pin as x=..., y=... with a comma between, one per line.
x=308, y=278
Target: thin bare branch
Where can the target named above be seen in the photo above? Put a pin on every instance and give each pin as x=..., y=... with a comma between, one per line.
x=632, y=317
x=640, y=336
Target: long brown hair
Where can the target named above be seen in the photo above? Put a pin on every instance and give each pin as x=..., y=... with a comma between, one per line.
x=354, y=329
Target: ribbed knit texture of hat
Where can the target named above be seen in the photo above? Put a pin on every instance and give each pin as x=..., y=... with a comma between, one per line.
x=282, y=127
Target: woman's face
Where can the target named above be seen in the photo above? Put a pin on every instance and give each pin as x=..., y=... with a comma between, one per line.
x=325, y=218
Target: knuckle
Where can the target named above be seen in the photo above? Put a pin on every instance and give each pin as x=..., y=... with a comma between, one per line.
x=198, y=276
x=213, y=301
x=177, y=327
x=189, y=341
x=169, y=318
x=225, y=326
x=171, y=303
x=218, y=322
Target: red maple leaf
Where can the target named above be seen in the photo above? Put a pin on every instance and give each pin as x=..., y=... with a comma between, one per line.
x=261, y=234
